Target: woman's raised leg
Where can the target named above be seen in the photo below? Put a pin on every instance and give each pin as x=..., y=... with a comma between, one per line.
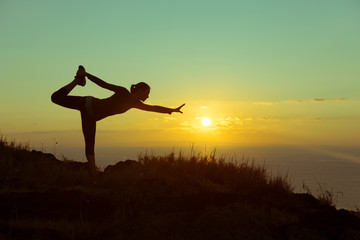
x=62, y=98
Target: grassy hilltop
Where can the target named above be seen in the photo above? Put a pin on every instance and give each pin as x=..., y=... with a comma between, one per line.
x=158, y=197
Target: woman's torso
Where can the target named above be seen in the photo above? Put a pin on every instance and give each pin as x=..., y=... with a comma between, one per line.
x=120, y=102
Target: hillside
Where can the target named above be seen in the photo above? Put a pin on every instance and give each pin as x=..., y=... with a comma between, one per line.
x=158, y=197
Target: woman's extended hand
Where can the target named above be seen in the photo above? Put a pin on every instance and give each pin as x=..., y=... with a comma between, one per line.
x=178, y=109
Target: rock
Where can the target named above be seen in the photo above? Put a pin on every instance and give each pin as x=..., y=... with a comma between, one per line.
x=123, y=166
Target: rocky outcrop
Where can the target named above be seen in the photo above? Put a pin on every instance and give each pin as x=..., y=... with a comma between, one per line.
x=42, y=197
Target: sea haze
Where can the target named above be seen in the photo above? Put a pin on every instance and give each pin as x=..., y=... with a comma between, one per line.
x=333, y=168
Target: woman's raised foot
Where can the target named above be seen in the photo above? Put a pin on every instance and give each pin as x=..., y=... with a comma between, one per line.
x=80, y=75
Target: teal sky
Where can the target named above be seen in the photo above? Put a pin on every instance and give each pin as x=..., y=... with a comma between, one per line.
x=197, y=52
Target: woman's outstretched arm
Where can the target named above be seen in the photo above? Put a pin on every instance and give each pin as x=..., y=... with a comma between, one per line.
x=102, y=83
x=159, y=109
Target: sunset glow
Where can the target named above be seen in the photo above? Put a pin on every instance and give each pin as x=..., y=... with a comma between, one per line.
x=249, y=72
x=206, y=122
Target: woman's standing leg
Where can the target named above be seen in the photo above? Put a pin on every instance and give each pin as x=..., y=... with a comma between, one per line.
x=89, y=130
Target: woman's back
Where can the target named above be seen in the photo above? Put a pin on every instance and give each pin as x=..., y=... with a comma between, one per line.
x=119, y=102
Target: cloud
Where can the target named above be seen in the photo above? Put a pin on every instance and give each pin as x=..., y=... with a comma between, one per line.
x=303, y=101
x=186, y=125
x=316, y=100
x=230, y=122
x=294, y=101
x=264, y=103
x=319, y=99
x=267, y=119
x=329, y=99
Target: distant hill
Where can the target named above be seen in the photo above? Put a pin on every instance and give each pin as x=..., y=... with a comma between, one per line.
x=158, y=197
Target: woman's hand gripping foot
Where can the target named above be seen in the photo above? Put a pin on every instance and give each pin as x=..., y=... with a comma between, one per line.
x=80, y=75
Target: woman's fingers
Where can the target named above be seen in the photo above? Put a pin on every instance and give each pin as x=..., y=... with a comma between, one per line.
x=180, y=108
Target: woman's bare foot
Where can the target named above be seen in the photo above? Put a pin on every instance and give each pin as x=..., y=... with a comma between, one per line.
x=80, y=75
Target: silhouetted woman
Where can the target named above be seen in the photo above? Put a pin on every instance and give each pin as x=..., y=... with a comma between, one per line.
x=93, y=109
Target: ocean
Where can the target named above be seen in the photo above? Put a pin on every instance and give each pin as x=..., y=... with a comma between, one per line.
x=328, y=168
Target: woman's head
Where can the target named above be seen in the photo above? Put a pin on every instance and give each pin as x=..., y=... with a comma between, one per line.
x=141, y=90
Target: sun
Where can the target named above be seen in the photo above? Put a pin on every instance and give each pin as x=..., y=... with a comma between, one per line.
x=206, y=122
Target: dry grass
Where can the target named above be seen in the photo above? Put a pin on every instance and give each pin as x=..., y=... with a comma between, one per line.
x=326, y=197
x=241, y=176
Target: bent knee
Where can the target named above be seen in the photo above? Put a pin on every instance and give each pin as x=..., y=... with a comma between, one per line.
x=57, y=97
x=54, y=97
